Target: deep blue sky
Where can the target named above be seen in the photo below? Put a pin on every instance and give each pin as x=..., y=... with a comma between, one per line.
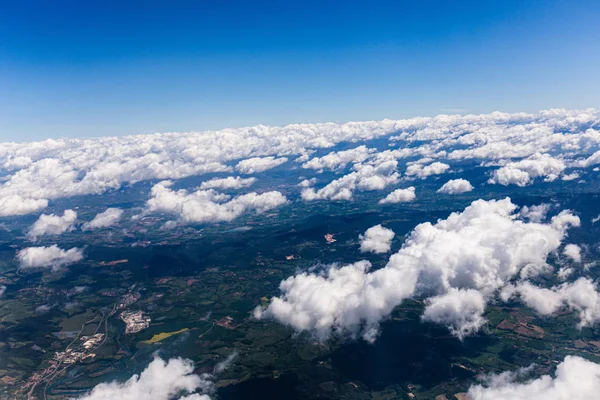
x=93, y=68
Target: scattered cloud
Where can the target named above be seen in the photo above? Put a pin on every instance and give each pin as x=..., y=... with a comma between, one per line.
x=399, y=196
x=52, y=224
x=48, y=257
x=376, y=239
x=420, y=171
x=206, y=206
x=230, y=182
x=364, y=178
x=259, y=164
x=482, y=248
x=456, y=186
x=104, y=219
x=339, y=159
x=161, y=380
x=523, y=173
x=573, y=252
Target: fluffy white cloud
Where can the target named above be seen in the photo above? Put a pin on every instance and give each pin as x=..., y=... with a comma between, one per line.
x=161, y=380
x=339, y=159
x=48, y=257
x=376, y=239
x=52, y=224
x=459, y=309
x=575, y=379
x=456, y=186
x=483, y=248
x=580, y=296
x=14, y=204
x=104, y=219
x=365, y=177
x=34, y=173
x=259, y=164
x=420, y=171
x=522, y=173
x=204, y=206
x=399, y=196
x=227, y=183
x=535, y=213
x=573, y=252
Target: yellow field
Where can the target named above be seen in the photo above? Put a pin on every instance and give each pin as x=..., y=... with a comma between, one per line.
x=163, y=335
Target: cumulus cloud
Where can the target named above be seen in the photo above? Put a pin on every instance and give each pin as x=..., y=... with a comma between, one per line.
x=575, y=379
x=259, y=164
x=522, y=173
x=482, y=248
x=14, y=204
x=364, y=178
x=104, y=219
x=456, y=186
x=36, y=173
x=339, y=159
x=420, y=171
x=48, y=257
x=399, y=196
x=204, y=206
x=573, y=252
x=227, y=183
x=376, y=239
x=52, y=224
x=459, y=309
x=535, y=213
x=161, y=380
x=580, y=296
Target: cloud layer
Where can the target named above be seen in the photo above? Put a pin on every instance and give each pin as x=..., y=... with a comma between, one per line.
x=526, y=146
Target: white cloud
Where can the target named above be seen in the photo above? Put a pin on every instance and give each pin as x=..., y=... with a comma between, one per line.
x=483, y=248
x=573, y=252
x=365, y=178
x=161, y=380
x=14, y=204
x=535, y=213
x=52, y=224
x=420, y=171
x=376, y=239
x=571, y=176
x=575, y=379
x=258, y=164
x=522, y=173
x=580, y=296
x=204, y=206
x=48, y=257
x=399, y=196
x=36, y=173
x=459, y=309
x=307, y=182
x=339, y=159
x=456, y=186
x=228, y=183
x=104, y=219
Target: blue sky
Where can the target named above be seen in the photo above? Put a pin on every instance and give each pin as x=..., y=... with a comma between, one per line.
x=98, y=68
